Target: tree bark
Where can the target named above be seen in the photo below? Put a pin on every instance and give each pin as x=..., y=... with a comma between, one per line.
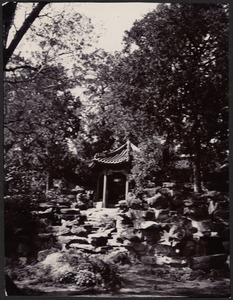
x=197, y=182
x=7, y=52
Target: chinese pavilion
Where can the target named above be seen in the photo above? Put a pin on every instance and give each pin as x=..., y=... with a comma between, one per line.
x=113, y=170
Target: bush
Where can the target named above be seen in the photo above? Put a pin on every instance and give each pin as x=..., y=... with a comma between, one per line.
x=69, y=267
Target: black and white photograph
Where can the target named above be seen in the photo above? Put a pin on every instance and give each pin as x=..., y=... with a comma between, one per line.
x=116, y=149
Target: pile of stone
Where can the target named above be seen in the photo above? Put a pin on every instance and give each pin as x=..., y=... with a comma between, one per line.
x=180, y=226
x=168, y=226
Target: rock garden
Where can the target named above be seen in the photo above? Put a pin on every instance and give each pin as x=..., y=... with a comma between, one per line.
x=170, y=242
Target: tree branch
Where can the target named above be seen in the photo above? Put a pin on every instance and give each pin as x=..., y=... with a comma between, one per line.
x=7, y=53
x=18, y=132
x=21, y=67
x=27, y=80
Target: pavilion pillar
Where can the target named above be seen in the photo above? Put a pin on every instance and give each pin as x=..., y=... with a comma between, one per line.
x=97, y=189
x=126, y=188
x=104, y=190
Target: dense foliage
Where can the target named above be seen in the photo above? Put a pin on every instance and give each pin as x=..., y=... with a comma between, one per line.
x=172, y=80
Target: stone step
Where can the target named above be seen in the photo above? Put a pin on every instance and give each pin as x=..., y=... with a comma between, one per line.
x=66, y=239
x=86, y=248
x=70, y=211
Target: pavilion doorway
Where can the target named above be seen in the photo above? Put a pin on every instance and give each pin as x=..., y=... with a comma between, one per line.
x=116, y=189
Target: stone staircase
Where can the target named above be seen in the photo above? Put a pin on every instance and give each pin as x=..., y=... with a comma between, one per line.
x=150, y=234
x=92, y=231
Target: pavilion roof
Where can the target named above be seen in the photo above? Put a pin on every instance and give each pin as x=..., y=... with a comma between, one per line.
x=118, y=156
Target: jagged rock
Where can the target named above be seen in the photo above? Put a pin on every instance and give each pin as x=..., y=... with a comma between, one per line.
x=45, y=206
x=80, y=231
x=70, y=211
x=135, y=203
x=120, y=256
x=169, y=184
x=197, y=212
x=66, y=223
x=84, y=247
x=45, y=221
x=44, y=253
x=135, y=239
x=128, y=233
x=98, y=241
x=149, y=225
x=173, y=262
x=165, y=250
x=72, y=217
x=162, y=215
x=151, y=191
x=212, y=245
x=202, y=227
x=65, y=239
x=60, y=230
x=187, y=247
x=208, y=262
x=149, y=215
x=158, y=201
x=63, y=203
x=46, y=213
x=142, y=249
x=122, y=205
x=76, y=241
x=148, y=260
x=126, y=220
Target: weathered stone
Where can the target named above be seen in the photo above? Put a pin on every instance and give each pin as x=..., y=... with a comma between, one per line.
x=77, y=241
x=142, y=249
x=149, y=225
x=66, y=223
x=70, y=211
x=215, y=261
x=63, y=203
x=65, y=239
x=68, y=217
x=45, y=214
x=44, y=253
x=45, y=206
x=148, y=260
x=164, y=250
x=122, y=203
x=149, y=215
x=126, y=220
x=120, y=256
x=162, y=215
x=98, y=240
x=197, y=212
x=173, y=262
x=187, y=247
x=80, y=231
x=60, y=230
x=86, y=248
x=169, y=184
x=135, y=239
x=159, y=201
x=213, y=245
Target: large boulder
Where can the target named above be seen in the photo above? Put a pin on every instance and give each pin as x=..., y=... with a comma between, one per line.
x=208, y=262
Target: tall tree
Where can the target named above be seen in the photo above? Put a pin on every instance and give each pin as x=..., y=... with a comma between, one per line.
x=40, y=118
x=175, y=71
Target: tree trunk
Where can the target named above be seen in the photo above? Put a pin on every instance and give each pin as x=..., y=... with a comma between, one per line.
x=8, y=52
x=197, y=183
